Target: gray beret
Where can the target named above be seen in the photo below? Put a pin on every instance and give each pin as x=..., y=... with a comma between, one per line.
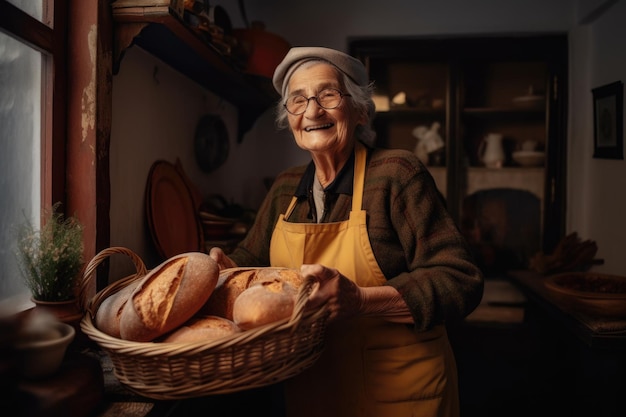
x=351, y=66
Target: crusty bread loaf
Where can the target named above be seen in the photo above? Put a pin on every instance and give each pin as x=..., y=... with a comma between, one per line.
x=168, y=296
x=264, y=302
x=202, y=328
x=231, y=283
x=110, y=310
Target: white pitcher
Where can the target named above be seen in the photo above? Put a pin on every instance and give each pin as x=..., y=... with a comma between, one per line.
x=491, y=151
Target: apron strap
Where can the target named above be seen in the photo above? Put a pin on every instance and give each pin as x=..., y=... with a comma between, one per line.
x=359, y=176
x=292, y=204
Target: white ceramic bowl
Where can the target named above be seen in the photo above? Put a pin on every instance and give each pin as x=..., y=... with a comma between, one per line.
x=529, y=158
x=42, y=353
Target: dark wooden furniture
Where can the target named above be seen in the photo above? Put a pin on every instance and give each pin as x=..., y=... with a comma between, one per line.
x=473, y=86
x=583, y=357
x=596, y=333
x=76, y=390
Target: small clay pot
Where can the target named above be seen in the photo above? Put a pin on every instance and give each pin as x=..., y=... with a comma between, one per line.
x=41, y=351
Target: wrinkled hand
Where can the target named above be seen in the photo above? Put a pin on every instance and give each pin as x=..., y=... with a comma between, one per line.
x=341, y=295
x=223, y=261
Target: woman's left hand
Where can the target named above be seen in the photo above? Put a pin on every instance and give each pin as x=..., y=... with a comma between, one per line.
x=222, y=260
x=343, y=297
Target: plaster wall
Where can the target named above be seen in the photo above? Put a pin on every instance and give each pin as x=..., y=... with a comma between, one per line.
x=596, y=187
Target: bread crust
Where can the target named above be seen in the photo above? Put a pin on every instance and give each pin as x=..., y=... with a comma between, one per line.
x=265, y=302
x=231, y=283
x=110, y=311
x=203, y=328
x=290, y=276
x=168, y=296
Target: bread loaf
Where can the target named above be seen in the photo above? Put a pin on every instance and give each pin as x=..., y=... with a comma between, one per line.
x=231, y=283
x=168, y=296
x=202, y=328
x=264, y=302
x=110, y=311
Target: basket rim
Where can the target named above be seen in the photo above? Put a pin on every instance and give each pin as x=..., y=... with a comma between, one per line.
x=157, y=348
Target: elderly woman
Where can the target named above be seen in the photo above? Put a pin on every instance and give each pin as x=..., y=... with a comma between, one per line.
x=371, y=227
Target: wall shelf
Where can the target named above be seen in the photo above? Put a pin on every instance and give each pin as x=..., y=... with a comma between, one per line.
x=159, y=31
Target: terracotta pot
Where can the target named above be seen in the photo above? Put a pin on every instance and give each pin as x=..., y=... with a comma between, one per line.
x=68, y=312
x=65, y=311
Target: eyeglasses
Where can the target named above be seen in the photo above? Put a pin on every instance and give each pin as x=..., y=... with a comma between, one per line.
x=328, y=99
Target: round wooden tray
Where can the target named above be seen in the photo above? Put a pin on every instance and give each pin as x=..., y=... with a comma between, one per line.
x=591, y=293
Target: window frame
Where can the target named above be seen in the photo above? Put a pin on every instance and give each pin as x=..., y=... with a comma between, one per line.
x=49, y=37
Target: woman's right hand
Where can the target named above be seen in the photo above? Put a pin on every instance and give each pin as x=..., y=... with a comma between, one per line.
x=223, y=261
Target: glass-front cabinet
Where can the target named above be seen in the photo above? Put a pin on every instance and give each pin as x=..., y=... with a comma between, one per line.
x=486, y=115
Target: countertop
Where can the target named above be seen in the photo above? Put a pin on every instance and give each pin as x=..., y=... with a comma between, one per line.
x=502, y=303
x=596, y=332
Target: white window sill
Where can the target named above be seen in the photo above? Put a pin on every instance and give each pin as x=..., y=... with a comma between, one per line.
x=15, y=304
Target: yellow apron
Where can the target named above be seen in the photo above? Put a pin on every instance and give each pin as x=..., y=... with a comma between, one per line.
x=369, y=367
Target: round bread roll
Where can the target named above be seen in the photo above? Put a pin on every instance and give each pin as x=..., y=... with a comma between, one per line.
x=202, y=328
x=264, y=302
x=231, y=283
x=168, y=296
x=110, y=310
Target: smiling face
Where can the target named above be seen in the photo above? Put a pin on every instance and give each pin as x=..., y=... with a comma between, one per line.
x=320, y=130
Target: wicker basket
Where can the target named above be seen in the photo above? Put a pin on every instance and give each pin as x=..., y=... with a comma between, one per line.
x=250, y=359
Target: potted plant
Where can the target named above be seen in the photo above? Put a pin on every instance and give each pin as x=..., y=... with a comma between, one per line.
x=51, y=258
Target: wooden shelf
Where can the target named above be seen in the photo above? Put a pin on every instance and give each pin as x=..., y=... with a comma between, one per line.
x=159, y=31
x=498, y=111
x=522, y=178
x=504, y=114
x=411, y=112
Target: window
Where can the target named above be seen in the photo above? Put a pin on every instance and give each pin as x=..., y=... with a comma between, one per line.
x=32, y=121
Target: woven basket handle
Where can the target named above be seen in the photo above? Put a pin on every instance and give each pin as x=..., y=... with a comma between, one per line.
x=90, y=272
x=308, y=287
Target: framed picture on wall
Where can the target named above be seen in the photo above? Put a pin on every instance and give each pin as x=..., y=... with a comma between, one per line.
x=608, y=104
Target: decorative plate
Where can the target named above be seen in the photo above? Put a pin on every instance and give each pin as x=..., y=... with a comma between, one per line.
x=174, y=223
x=211, y=143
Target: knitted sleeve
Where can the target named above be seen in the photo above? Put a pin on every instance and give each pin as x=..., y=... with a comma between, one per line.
x=416, y=242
